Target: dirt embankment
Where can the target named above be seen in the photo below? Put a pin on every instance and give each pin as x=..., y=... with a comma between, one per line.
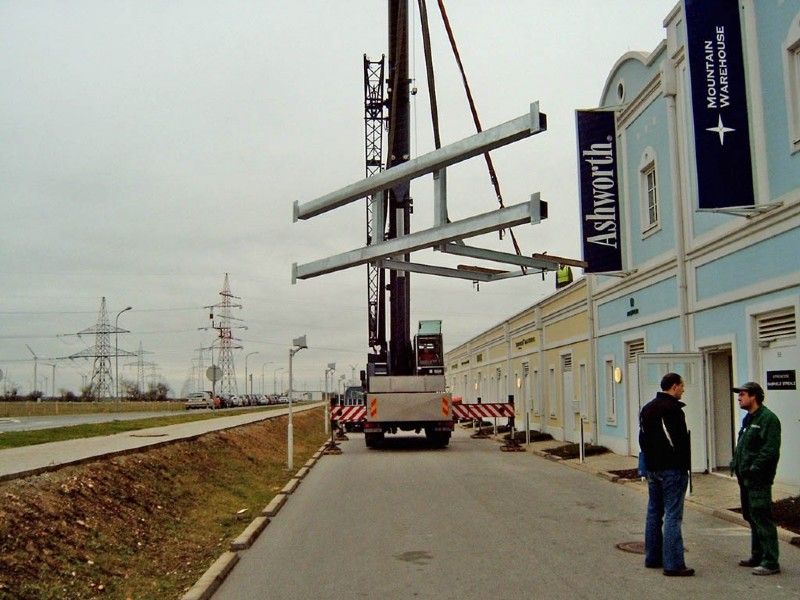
x=146, y=525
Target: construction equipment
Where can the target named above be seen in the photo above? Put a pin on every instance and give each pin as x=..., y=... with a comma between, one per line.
x=417, y=402
x=405, y=382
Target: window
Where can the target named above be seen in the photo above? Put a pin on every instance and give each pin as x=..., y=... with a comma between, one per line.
x=611, y=400
x=648, y=191
x=791, y=60
x=536, y=394
x=652, y=195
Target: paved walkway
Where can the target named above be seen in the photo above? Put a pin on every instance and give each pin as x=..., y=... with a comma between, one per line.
x=714, y=493
x=30, y=460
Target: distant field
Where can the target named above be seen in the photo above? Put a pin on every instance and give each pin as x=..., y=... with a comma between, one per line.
x=40, y=409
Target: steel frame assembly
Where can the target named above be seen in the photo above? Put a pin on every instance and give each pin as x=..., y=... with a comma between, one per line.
x=445, y=236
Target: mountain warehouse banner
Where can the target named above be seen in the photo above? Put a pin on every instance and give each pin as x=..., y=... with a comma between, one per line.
x=719, y=104
x=597, y=166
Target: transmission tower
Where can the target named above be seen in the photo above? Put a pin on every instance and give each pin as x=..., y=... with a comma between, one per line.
x=140, y=364
x=221, y=319
x=102, y=351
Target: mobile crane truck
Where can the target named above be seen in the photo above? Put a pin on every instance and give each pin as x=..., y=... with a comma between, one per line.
x=417, y=402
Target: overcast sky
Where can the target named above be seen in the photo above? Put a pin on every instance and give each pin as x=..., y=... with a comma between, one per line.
x=148, y=148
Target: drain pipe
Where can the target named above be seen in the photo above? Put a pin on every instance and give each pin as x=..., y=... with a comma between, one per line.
x=670, y=87
x=591, y=370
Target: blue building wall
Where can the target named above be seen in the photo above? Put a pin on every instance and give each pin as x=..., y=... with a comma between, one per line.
x=765, y=260
x=649, y=130
x=731, y=320
x=773, y=20
x=648, y=301
x=657, y=335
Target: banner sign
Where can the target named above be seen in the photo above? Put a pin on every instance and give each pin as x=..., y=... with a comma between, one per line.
x=719, y=104
x=597, y=167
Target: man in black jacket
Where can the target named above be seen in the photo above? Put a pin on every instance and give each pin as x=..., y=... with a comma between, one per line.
x=664, y=441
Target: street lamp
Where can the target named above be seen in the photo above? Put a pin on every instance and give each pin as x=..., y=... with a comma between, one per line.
x=330, y=369
x=297, y=345
x=275, y=380
x=116, y=351
x=248, y=355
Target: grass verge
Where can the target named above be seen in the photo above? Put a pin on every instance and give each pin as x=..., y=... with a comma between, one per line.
x=48, y=408
x=145, y=525
x=15, y=439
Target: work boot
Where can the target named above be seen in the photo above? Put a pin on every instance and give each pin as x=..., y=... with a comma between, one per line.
x=749, y=562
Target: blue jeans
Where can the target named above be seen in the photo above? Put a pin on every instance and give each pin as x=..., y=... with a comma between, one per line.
x=665, y=508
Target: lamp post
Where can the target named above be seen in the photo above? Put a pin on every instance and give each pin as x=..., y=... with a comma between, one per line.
x=275, y=380
x=330, y=369
x=297, y=345
x=116, y=351
x=246, y=356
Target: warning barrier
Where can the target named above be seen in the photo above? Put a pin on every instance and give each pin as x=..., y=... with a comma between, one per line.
x=479, y=411
x=349, y=414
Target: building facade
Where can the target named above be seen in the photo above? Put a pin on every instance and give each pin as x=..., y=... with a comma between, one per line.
x=712, y=293
x=539, y=359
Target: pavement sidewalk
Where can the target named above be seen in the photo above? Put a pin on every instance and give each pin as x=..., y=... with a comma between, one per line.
x=39, y=458
x=712, y=493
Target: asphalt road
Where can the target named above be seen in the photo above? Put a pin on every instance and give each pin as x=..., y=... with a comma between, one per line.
x=473, y=522
x=51, y=421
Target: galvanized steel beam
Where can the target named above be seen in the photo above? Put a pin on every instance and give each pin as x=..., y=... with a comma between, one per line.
x=506, y=133
x=477, y=225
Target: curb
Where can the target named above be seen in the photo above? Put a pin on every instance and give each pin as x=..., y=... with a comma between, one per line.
x=291, y=486
x=209, y=581
x=271, y=509
x=249, y=535
x=204, y=588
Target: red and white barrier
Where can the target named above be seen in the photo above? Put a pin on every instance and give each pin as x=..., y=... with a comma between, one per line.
x=479, y=411
x=349, y=414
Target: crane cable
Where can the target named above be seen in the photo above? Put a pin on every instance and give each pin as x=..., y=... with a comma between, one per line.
x=473, y=109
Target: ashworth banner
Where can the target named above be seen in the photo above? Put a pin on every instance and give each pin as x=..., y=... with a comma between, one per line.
x=597, y=167
x=719, y=104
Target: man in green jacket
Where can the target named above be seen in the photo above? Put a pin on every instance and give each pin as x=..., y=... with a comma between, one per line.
x=755, y=461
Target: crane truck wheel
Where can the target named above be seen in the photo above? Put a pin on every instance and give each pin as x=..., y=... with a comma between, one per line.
x=440, y=439
x=373, y=440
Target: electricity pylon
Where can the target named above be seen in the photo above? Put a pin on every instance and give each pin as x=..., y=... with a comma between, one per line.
x=220, y=315
x=102, y=351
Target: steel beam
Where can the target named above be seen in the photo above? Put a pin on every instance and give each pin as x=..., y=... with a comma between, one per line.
x=524, y=126
x=399, y=265
x=502, y=257
x=477, y=225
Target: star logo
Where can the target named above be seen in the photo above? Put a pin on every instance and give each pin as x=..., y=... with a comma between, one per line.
x=721, y=130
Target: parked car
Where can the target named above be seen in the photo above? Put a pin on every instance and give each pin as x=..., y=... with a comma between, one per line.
x=199, y=400
x=261, y=400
